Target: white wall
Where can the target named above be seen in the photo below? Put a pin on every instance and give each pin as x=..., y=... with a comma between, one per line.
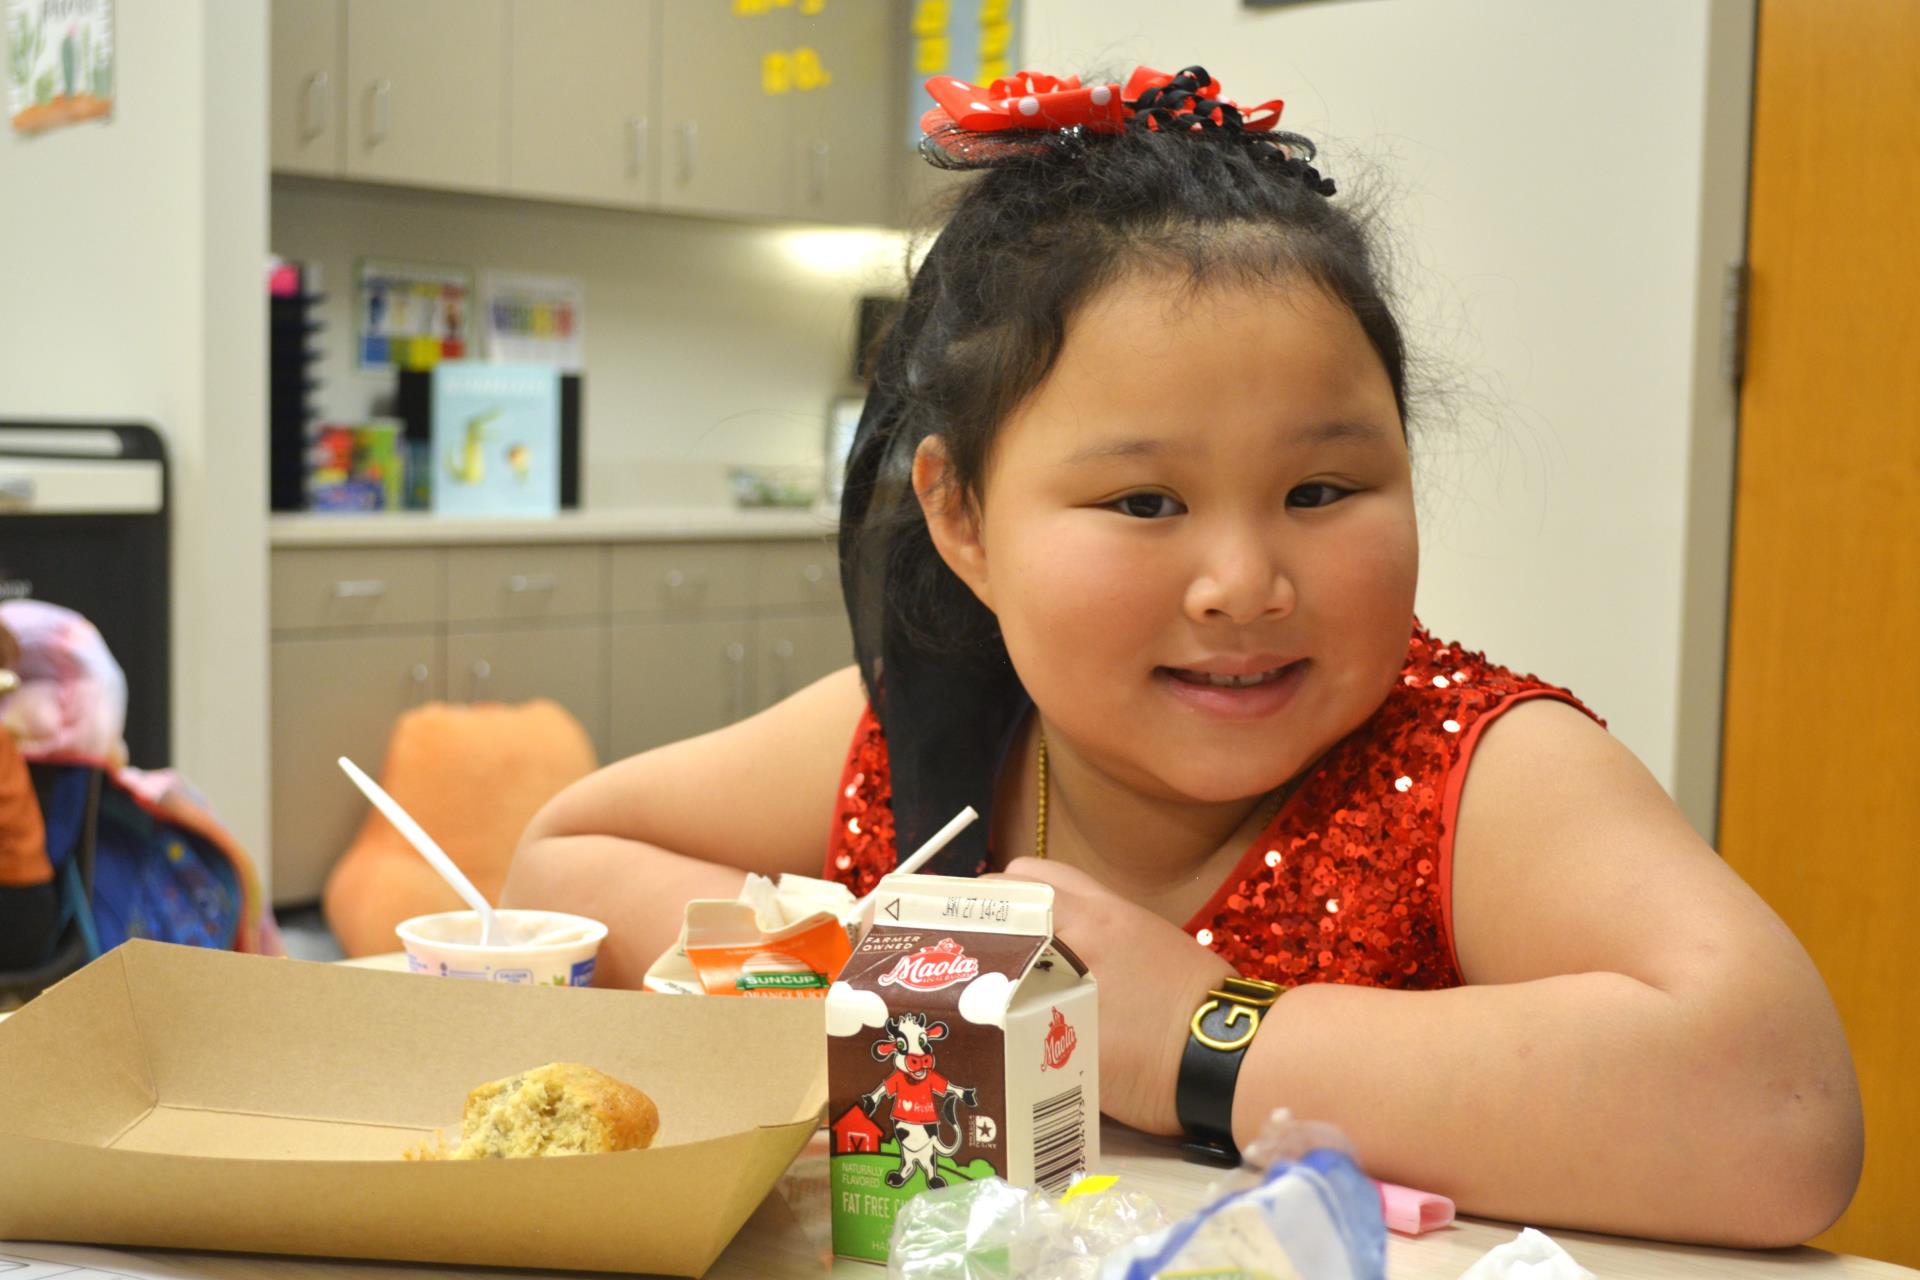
x=1567, y=182
x=708, y=343
x=131, y=261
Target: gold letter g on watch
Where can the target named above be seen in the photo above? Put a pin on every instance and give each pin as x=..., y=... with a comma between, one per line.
x=1236, y=1012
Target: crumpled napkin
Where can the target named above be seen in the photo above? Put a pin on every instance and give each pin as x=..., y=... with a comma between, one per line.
x=1531, y=1255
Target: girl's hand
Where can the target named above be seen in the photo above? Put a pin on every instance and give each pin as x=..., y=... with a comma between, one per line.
x=1151, y=974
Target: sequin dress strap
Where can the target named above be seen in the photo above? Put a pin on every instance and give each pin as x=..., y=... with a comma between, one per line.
x=860, y=848
x=1351, y=880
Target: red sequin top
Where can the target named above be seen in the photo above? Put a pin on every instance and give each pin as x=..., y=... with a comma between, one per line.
x=1350, y=881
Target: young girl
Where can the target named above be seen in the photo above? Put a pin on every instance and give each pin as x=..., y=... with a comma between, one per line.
x=1129, y=549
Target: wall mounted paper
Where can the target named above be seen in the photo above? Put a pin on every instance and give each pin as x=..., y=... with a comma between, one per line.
x=977, y=41
x=59, y=62
x=413, y=315
x=535, y=319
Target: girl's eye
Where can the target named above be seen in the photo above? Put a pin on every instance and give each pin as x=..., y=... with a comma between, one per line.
x=1317, y=495
x=1148, y=506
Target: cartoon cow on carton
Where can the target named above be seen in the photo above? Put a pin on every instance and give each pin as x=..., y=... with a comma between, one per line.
x=924, y=1101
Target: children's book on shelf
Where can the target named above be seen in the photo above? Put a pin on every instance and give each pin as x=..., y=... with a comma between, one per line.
x=495, y=439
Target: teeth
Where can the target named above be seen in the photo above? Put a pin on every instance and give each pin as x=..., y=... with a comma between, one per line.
x=1231, y=682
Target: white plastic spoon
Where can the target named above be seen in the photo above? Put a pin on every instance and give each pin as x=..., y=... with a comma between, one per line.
x=417, y=837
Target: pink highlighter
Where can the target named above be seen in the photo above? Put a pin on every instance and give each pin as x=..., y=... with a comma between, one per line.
x=1411, y=1212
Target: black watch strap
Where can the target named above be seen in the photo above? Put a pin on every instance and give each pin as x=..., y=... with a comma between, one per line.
x=1217, y=1038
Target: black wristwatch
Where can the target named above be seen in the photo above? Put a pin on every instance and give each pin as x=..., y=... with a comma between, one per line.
x=1217, y=1039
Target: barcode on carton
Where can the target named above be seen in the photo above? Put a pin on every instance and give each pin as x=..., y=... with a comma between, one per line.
x=1059, y=1140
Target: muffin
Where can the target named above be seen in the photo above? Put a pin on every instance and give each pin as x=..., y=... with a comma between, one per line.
x=561, y=1109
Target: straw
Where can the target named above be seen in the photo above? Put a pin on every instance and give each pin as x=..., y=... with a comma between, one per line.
x=923, y=855
x=423, y=843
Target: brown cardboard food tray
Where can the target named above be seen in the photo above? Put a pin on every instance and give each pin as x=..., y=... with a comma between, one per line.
x=175, y=1097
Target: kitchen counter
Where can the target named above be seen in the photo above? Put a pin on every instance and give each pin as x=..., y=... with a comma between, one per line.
x=638, y=524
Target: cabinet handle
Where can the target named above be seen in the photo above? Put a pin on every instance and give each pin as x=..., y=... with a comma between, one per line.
x=482, y=672
x=817, y=156
x=315, y=103
x=782, y=668
x=637, y=147
x=813, y=573
x=420, y=675
x=359, y=589
x=689, y=149
x=521, y=583
x=684, y=584
x=736, y=654
x=380, y=116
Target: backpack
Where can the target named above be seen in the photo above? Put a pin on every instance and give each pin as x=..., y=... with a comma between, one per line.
x=134, y=856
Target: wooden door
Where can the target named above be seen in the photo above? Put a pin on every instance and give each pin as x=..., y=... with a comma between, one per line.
x=306, y=80
x=335, y=697
x=427, y=92
x=584, y=79
x=1819, y=811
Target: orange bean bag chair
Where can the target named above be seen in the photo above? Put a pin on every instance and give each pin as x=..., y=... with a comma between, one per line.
x=473, y=775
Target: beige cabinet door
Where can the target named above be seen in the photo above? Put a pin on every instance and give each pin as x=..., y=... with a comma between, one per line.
x=333, y=698
x=682, y=579
x=797, y=650
x=674, y=680
x=307, y=79
x=540, y=583
x=798, y=577
x=566, y=664
x=848, y=133
x=725, y=117
x=584, y=97
x=427, y=92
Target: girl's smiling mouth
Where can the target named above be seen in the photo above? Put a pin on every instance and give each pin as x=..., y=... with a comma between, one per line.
x=1249, y=695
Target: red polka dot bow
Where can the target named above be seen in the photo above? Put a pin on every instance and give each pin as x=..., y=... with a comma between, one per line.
x=1032, y=100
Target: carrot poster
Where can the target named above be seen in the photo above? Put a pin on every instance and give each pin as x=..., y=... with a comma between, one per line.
x=59, y=62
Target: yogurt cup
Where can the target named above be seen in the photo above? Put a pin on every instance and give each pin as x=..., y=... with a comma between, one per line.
x=539, y=948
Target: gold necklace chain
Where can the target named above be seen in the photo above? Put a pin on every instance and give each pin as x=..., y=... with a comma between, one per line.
x=1280, y=795
x=1040, y=809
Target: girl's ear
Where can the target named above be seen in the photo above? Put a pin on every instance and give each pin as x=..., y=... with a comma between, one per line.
x=952, y=520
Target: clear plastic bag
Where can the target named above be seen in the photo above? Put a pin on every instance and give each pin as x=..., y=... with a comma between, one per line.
x=1317, y=1218
x=1299, y=1206
x=989, y=1230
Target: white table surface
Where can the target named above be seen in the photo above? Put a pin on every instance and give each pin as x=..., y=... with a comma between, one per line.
x=789, y=1234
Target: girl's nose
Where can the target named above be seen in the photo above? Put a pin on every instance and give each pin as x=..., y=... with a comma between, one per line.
x=1241, y=582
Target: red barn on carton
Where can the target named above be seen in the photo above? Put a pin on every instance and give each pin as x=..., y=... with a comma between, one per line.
x=963, y=1043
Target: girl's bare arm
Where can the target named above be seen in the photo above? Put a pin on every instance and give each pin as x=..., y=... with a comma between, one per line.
x=1643, y=1048
x=632, y=843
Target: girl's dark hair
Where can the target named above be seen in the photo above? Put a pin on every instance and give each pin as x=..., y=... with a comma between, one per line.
x=1029, y=243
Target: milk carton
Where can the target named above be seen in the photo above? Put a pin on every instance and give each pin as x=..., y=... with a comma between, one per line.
x=963, y=1043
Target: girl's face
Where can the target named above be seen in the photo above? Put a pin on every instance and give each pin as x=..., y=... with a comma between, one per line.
x=1206, y=484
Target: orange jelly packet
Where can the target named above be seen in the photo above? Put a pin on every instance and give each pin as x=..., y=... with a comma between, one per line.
x=786, y=940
